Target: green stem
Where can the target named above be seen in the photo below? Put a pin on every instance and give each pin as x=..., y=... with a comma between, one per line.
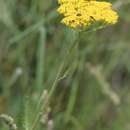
x=40, y=59
x=74, y=90
x=69, y=50
x=54, y=85
x=72, y=101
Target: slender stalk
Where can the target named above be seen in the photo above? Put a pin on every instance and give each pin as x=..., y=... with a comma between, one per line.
x=40, y=59
x=54, y=85
x=74, y=90
x=72, y=101
x=63, y=63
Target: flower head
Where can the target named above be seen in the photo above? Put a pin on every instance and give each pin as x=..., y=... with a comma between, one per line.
x=82, y=13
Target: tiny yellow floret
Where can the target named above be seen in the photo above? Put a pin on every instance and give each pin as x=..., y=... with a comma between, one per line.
x=82, y=13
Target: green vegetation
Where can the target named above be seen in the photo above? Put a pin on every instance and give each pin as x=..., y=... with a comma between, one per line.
x=53, y=78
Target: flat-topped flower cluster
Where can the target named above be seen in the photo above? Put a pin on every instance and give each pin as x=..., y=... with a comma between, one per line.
x=82, y=13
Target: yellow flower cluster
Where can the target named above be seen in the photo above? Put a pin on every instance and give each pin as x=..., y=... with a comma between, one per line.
x=82, y=13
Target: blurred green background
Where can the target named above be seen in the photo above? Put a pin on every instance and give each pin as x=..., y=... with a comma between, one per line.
x=93, y=92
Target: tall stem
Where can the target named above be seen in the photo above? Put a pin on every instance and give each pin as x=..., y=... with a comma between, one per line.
x=54, y=85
